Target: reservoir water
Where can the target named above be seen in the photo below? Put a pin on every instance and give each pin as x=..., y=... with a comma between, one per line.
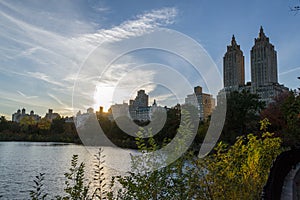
x=20, y=162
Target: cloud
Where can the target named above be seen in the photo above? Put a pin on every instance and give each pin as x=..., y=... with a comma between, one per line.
x=44, y=77
x=289, y=71
x=26, y=96
x=29, y=51
x=42, y=53
x=142, y=24
x=57, y=100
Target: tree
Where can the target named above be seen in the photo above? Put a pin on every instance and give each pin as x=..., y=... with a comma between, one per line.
x=76, y=188
x=284, y=117
x=27, y=124
x=291, y=114
x=57, y=125
x=44, y=124
x=273, y=112
x=239, y=171
x=230, y=172
x=3, y=123
x=242, y=115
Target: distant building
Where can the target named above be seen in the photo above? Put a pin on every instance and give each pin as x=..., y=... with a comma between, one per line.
x=90, y=110
x=233, y=67
x=264, y=74
x=205, y=103
x=51, y=115
x=263, y=61
x=18, y=116
x=100, y=113
x=81, y=118
x=69, y=119
x=155, y=108
x=138, y=108
x=101, y=110
x=118, y=110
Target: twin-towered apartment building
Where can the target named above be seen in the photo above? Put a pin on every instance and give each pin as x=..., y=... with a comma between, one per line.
x=264, y=70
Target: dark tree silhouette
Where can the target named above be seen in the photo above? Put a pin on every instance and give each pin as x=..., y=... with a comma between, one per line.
x=242, y=115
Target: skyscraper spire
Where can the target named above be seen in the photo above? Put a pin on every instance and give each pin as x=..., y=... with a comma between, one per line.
x=261, y=33
x=233, y=42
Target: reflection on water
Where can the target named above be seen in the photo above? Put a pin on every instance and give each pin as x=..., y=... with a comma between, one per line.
x=20, y=162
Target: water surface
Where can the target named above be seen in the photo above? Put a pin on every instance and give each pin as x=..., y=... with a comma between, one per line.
x=20, y=162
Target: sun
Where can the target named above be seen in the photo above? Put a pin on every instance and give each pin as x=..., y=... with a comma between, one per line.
x=103, y=96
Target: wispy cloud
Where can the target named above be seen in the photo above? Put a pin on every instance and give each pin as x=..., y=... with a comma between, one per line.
x=57, y=100
x=44, y=77
x=40, y=53
x=26, y=96
x=289, y=71
x=142, y=24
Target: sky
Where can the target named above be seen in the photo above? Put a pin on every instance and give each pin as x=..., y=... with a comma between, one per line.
x=70, y=55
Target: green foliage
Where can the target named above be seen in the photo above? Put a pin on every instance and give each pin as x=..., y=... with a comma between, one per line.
x=242, y=115
x=38, y=193
x=100, y=191
x=44, y=124
x=57, y=125
x=29, y=130
x=291, y=113
x=170, y=182
x=4, y=125
x=241, y=170
x=122, y=139
x=284, y=114
x=75, y=183
x=238, y=171
x=76, y=186
x=27, y=124
x=231, y=172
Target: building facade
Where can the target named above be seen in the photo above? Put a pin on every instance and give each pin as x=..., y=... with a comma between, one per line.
x=138, y=108
x=263, y=61
x=204, y=103
x=264, y=76
x=118, y=110
x=19, y=115
x=51, y=115
x=233, y=67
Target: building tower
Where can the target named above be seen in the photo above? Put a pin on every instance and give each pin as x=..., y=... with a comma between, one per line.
x=263, y=61
x=141, y=99
x=138, y=108
x=204, y=103
x=233, y=66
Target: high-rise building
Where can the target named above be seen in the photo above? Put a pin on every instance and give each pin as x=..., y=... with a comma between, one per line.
x=141, y=100
x=233, y=66
x=263, y=70
x=138, y=108
x=263, y=61
x=204, y=103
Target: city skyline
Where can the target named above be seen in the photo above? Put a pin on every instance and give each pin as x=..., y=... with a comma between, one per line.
x=44, y=44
